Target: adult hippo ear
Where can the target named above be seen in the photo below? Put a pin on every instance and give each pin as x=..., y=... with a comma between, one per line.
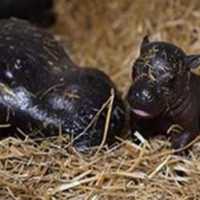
x=192, y=61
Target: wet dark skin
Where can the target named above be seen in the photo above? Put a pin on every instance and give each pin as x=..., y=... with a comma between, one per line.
x=164, y=95
x=42, y=91
x=31, y=62
x=78, y=103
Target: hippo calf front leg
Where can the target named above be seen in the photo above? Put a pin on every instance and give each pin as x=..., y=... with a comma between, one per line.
x=189, y=132
x=180, y=140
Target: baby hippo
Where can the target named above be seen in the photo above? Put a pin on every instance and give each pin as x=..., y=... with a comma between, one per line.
x=164, y=95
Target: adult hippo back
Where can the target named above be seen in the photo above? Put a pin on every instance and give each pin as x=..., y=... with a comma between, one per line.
x=30, y=56
x=31, y=62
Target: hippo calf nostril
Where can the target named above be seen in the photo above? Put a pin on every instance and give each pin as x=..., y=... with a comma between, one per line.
x=146, y=96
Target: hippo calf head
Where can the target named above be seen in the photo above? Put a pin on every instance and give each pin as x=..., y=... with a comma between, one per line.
x=160, y=75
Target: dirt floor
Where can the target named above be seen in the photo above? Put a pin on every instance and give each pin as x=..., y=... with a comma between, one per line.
x=107, y=34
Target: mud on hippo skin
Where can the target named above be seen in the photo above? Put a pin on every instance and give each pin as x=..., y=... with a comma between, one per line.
x=165, y=93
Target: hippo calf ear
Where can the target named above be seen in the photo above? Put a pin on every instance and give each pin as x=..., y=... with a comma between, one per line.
x=145, y=41
x=193, y=61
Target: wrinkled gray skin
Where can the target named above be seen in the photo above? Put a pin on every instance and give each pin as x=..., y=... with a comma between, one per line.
x=42, y=90
x=164, y=92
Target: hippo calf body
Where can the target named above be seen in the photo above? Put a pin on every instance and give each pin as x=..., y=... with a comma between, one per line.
x=165, y=94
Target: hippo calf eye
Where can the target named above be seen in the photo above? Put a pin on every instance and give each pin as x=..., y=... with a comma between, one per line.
x=9, y=74
x=166, y=78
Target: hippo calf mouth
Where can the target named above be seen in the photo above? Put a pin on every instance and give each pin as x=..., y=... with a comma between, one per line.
x=141, y=113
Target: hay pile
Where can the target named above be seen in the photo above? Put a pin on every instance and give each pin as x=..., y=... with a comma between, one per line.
x=107, y=34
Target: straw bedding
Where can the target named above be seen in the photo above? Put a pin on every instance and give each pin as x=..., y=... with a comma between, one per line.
x=107, y=34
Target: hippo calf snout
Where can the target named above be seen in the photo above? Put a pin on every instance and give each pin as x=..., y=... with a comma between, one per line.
x=143, y=96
